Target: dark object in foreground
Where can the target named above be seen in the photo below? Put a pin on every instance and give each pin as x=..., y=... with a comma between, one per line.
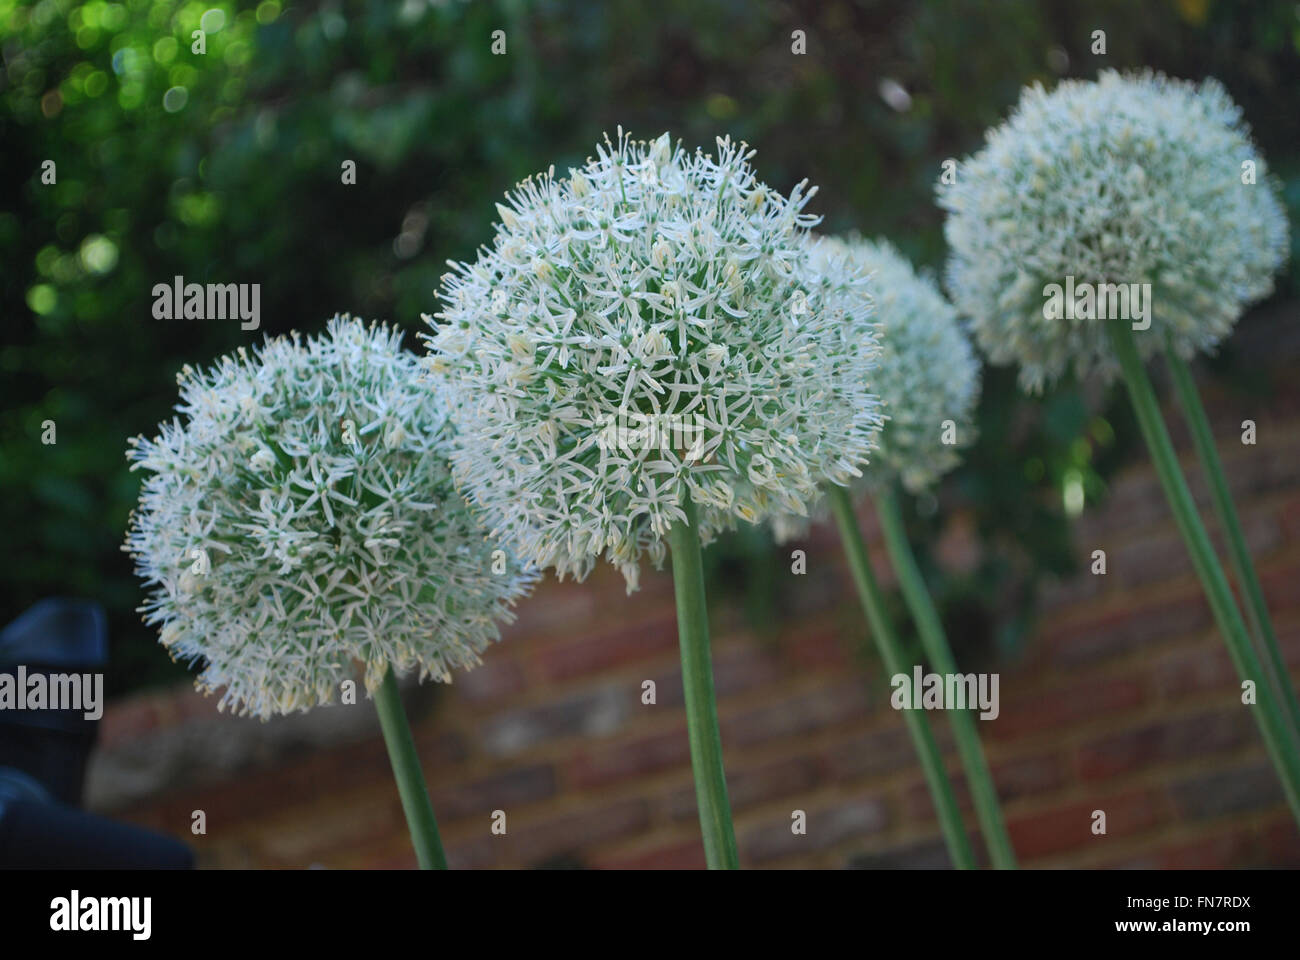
x=53, y=835
x=44, y=752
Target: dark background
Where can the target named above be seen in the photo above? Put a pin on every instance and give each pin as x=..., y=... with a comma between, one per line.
x=225, y=167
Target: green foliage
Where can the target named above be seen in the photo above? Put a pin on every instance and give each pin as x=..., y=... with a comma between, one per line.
x=225, y=166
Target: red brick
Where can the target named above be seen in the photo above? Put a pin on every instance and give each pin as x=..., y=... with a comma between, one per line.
x=1026, y=776
x=1280, y=586
x=1161, y=556
x=508, y=790
x=872, y=754
x=742, y=666
x=1227, y=792
x=737, y=668
x=1164, y=742
x=476, y=853
x=311, y=834
x=574, y=833
x=439, y=749
x=1084, y=585
x=928, y=854
x=918, y=806
x=553, y=604
x=684, y=855
x=1070, y=827
x=599, y=711
x=1289, y=518
x=497, y=679
x=1202, y=853
x=816, y=710
x=827, y=826
x=818, y=648
x=1121, y=629
x=630, y=643
x=1288, y=642
x=1066, y=705
x=269, y=791
x=628, y=759
x=1135, y=502
x=751, y=786
x=1281, y=843
x=1187, y=671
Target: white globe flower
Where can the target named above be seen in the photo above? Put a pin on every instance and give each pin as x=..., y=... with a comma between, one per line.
x=1133, y=179
x=927, y=374
x=300, y=516
x=645, y=330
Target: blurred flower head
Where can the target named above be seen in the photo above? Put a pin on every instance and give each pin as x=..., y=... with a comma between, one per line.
x=1132, y=179
x=299, y=515
x=927, y=377
x=659, y=287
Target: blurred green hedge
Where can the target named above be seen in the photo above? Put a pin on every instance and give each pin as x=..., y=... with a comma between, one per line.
x=225, y=167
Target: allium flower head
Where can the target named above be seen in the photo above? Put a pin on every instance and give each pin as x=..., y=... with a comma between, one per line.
x=667, y=293
x=927, y=373
x=1133, y=179
x=300, y=515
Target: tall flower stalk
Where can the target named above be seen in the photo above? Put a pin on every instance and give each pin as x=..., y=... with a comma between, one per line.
x=891, y=653
x=639, y=360
x=1147, y=197
x=934, y=641
x=927, y=379
x=1278, y=738
x=411, y=788
x=299, y=517
x=697, y=684
x=1243, y=567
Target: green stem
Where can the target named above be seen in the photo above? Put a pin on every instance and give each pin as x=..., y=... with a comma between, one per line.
x=409, y=777
x=882, y=631
x=1214, y=583
x=1261, y=625
x=697, y=684
x=983, y=793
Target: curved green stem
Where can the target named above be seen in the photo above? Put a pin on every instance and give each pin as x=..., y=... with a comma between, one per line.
x=697, y=684
x=1256, y=610
x=410, y=779
x=983, y=793
x=882, y=631
x=1214, y=583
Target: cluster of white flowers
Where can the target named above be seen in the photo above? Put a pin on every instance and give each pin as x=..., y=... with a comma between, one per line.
x=302, y=516
x=651, y=282
x=1133, y=179
x=927, y=373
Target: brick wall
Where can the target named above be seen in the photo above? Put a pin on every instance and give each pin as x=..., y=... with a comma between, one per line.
x=1124, y=701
